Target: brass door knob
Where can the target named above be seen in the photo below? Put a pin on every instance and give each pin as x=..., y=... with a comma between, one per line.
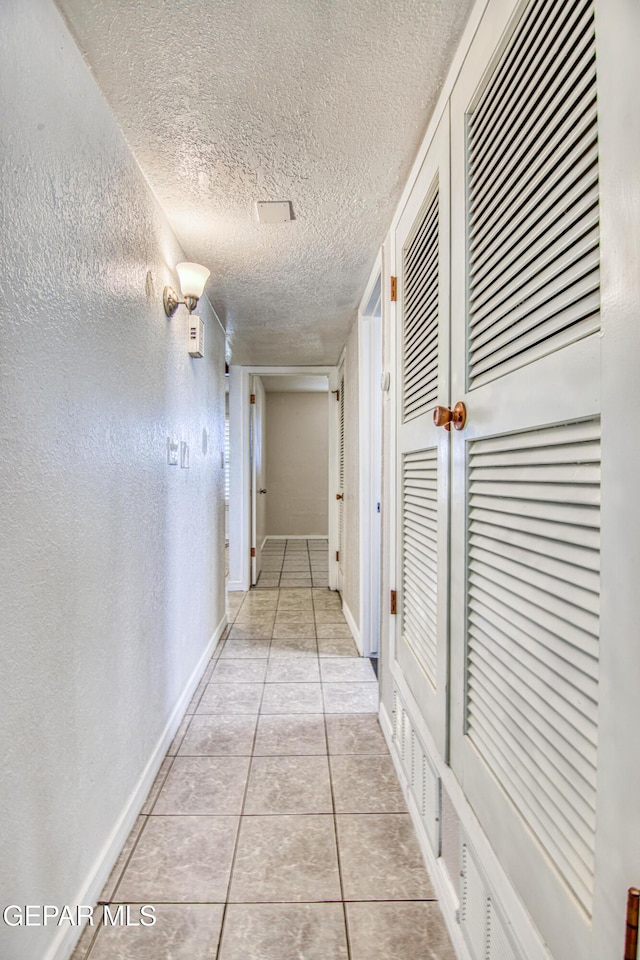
x=339, y=496
x=444, y=416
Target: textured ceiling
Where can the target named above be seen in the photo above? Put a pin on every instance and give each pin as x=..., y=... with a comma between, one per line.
x=320, y=102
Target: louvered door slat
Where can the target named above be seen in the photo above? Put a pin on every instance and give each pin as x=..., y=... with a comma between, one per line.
x=545, y=685
x=561, y=453
x=533, y=236
x=420, y=314
x=423, y=267
x=540, y=32
x=533, y=622
x=558, y=270
x=559, y=595
x=529, y=263
x=573, y=646
x=569, y=858
x=554, y=779
x=419, y=557
x=424, y=243
x=545, y=441
x=424, y=324
x=546, y=123
x=552, y=512
x=576, y=186
x=547, y=550
x=561, y=127
x=573, y=167
x=421, y=524
x=416, y=381
x=528, y=614
x=528, y=556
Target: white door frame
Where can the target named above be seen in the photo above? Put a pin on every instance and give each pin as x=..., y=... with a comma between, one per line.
x=370, y=405
x=240, y=494
x=258, y=468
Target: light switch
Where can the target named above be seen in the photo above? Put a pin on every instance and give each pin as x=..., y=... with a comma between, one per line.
x=184, y=455
x=172, y=451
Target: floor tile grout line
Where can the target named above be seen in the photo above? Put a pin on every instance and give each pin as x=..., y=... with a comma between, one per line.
x=333, y=802
x=242, y=807
x=335, y=833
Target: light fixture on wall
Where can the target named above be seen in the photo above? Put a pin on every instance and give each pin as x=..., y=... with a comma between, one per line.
x=192, y=280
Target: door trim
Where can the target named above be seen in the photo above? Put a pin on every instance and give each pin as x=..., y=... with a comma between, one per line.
x=370, y=322
x=240, y=468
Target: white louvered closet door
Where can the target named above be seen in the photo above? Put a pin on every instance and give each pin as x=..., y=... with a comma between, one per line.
x=422, y=270
x=525, y=501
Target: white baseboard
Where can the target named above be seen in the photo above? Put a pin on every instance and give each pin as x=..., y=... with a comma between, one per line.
x=352, y=626
x=299, y=536
x=90, y=890
x=234, y=585
x=447, y=899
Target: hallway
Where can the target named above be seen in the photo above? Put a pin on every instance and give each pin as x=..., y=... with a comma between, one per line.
x=276, y=820
x=294, y=563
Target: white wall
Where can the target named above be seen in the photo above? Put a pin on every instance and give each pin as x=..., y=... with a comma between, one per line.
x=351, y=566
x=297, y=448
x=111, y=562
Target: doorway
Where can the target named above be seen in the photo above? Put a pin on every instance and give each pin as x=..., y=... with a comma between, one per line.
x=282, y=465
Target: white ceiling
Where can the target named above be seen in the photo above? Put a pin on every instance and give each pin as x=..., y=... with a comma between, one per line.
x=298, y=383
x=320, y=102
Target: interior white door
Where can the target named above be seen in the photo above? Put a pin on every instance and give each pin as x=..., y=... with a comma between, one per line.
x=422, y=270
x=525, y=498
x=258, y=476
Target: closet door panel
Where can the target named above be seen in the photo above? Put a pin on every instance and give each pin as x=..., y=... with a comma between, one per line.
x=525, y=494
x=422, y=270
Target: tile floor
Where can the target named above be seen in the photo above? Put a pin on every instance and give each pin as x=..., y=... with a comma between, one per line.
x=294, y=563
x=276, y=828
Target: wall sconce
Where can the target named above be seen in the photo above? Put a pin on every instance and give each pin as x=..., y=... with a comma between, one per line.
x=192, y=280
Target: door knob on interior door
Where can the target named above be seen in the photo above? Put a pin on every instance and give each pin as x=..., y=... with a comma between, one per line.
x=339, y=496
x=262, y=490
x=444, y=416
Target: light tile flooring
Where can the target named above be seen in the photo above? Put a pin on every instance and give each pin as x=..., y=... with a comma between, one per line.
x=294, y=563
x=276, y=828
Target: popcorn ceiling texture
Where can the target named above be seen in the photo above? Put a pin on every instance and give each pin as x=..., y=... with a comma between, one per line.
x=111, y=562
x=226, y=102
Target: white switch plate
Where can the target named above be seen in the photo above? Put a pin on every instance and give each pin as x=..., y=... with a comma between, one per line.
x=184, y=454
x=172, y=451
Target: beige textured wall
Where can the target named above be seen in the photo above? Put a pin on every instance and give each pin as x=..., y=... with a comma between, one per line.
x=297, y=464
x=351, y=566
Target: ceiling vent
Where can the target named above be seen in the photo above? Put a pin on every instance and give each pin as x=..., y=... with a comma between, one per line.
x=270, y=211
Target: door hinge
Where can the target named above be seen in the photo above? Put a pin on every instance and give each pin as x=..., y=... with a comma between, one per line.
x=631, y=938
x=394, y=288
x=252, y=398
x=337, y=395
x=393, y=603
x=337, y=554
x=253, y=551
